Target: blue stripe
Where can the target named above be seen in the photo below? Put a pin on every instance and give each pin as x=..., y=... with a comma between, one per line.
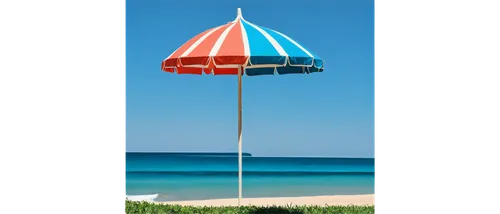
x=262, y=51
x=259, y=71
x=296, y=55
x=281, y=70
x=318, y=62
x=290, y=70
x=314, y=69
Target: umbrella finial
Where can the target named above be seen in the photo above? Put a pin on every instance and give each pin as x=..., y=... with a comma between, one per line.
x=239, y=12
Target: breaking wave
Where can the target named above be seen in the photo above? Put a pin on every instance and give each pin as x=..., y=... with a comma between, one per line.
x=148, y=198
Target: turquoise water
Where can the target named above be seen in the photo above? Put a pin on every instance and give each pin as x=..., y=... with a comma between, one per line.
x=208, y=176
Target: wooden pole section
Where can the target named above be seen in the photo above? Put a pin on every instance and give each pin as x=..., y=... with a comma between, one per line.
x=240, y=158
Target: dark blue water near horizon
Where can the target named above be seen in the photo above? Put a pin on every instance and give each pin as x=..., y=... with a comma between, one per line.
x=191, y=176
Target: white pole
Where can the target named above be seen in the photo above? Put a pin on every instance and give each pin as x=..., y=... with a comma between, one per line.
x=240, y=158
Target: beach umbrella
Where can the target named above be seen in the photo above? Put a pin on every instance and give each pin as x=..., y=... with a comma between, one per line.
x=237, y=48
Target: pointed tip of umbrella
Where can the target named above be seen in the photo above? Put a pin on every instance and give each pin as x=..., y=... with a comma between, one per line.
x=239, y=12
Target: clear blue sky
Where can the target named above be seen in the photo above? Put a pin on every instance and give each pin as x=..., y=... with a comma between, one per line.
x=321, y=114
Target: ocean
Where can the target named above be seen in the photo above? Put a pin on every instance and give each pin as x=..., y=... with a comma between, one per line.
x=196, y=176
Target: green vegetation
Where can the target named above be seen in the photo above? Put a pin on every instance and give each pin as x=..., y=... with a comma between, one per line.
x=133, y=207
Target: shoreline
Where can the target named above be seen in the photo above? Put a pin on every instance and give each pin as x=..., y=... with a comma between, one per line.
x=366, y=199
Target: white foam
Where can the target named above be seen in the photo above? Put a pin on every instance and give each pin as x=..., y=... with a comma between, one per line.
x=148, y=198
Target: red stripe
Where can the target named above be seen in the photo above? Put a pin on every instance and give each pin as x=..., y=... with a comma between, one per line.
x=233, y=44
x=184, y=70
x=171, y=70
x=204, y=48
x=225, y=71
x=199, y=55
x=232, y=50
x=172, y=60
x=220, y=71
x=209, y=68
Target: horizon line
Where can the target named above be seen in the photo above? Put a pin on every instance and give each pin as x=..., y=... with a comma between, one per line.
x=252, y=155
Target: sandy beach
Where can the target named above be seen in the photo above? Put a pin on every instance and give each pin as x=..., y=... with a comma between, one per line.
x=306, y=200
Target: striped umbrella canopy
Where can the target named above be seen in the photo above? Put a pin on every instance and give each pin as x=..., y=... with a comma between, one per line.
x=258, y=50
x=240, y=47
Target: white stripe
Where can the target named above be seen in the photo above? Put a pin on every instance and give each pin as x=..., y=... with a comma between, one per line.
x=220, y=40
x=194, y=45
x=294, y=42
x=246, y=47
x=275, y=44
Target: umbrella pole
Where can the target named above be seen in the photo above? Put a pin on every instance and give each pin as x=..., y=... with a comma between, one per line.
x=240, y=158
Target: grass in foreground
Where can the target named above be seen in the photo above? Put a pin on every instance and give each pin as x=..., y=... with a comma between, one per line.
x=133, y=207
